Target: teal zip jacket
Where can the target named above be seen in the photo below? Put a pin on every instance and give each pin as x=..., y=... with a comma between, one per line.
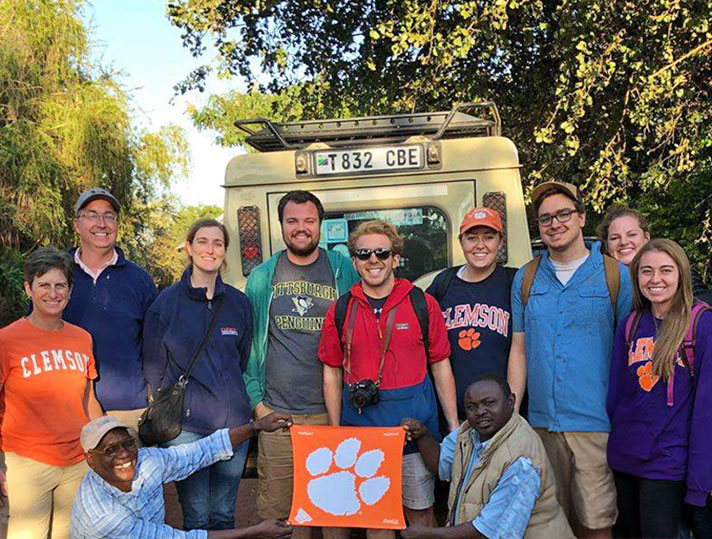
x=259, y=290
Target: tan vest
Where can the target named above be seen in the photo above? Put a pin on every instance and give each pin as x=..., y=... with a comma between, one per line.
x=516, y=439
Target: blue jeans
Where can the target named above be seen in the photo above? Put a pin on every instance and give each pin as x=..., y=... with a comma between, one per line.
x=208, y=497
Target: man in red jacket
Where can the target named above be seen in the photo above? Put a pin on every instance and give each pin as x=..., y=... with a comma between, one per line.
x=376, y=371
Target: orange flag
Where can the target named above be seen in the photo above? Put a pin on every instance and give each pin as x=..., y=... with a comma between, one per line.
x=347, y=477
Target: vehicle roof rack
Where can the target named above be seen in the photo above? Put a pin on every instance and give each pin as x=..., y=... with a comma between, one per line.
x=370, y=130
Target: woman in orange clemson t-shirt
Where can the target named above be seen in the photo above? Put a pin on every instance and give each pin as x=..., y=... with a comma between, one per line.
x=47, y=396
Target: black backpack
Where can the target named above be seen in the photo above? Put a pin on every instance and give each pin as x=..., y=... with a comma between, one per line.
x=417, y=298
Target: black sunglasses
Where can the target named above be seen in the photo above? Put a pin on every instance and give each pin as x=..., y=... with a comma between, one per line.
x=365, y=254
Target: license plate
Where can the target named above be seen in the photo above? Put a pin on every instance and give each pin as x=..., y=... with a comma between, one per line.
x=368, y=160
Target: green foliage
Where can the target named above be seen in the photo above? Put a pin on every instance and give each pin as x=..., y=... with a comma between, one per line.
x=170, y=236
x=66, y=127
x=12, y=293
x=222, y=110
x=611, y=95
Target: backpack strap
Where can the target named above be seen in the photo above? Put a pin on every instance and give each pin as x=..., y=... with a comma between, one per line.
x=687, y=350
x=613, y=282
x=690, y=339
x=511, y=273
x=631, y=326
x=342, y=305
x=444, y=279
x=417, y=298
x=528, y=278
x=420, y=305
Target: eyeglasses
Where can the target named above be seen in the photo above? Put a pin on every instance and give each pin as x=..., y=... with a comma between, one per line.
x=381, y=253
x=129, y=444
x=93, y=217
x=562, y=216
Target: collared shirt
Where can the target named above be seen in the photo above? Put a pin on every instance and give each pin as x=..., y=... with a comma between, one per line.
x=569, y=339
x=94, y=274
x=509, y=508
x=103, y=511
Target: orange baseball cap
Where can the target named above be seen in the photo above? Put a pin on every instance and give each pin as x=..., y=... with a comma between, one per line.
x=481, y=217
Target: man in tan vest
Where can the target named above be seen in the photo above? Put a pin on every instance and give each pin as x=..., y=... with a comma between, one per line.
x=501, y=482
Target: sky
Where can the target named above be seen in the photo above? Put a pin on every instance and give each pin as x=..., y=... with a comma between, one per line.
x=135, y=38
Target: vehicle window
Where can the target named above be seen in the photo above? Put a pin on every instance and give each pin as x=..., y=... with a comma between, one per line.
x=423, y=228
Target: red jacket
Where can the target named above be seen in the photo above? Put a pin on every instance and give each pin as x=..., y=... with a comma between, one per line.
x=405, y=363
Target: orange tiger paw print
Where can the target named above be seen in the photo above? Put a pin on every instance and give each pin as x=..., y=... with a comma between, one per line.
x=469, y=339
x=646, y=378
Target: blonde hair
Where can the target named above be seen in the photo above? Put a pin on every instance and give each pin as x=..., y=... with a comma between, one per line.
x=377, y=226
x=674, y=326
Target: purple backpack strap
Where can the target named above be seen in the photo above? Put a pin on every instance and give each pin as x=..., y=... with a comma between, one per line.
x=688, y=343
x=688, y=348
x=631, y=326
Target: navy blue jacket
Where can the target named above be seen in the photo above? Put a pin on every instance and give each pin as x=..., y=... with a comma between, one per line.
x=175, y=325
x=112, y=311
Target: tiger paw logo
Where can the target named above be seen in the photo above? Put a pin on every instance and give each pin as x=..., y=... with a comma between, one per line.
x=468, y=339
x=344, y=479
x=646, y=378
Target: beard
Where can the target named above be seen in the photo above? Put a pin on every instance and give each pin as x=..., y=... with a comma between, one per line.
x=302, y=251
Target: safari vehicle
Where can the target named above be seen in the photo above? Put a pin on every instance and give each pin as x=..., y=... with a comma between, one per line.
x=422, y=172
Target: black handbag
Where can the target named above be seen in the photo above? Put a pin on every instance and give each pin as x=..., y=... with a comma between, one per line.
x=163, y=419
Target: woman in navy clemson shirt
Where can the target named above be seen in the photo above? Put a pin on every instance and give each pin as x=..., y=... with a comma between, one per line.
x=215, y=396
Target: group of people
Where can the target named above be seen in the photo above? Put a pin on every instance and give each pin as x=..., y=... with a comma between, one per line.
x=559, y=400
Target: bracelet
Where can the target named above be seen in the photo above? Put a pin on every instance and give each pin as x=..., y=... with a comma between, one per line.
x=252, y=426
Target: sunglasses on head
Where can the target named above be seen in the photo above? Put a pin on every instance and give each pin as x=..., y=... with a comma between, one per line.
x=381, y=253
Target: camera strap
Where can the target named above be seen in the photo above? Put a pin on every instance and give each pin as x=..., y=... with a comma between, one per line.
x=350, y=334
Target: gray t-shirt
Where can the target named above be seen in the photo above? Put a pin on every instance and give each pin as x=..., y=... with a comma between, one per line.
x=301, y=295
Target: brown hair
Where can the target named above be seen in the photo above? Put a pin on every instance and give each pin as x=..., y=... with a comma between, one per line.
x=377, y=226
x=206, y=223
x=674, y=326
x=554, y=190
x=45, y=259
x=614, y=212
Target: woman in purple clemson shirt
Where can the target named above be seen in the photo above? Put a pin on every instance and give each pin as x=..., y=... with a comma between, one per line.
x=660, y=400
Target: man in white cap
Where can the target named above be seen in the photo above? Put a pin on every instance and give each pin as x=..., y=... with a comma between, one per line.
x=122, y=495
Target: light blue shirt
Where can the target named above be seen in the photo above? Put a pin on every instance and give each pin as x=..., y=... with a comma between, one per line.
x=510, y=505
x=569, y=340
x=103, y=511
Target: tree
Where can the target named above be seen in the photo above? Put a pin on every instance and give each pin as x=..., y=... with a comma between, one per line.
x=168, y=247
x=66, y=126
x=611, y=95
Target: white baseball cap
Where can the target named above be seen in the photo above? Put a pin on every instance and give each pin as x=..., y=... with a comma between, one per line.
x=95, y=430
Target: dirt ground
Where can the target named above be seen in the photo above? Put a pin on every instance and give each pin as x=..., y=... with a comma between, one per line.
x=246, y=509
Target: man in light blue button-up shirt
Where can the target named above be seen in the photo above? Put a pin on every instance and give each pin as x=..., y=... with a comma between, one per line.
x=122, y=495
x=561, y=347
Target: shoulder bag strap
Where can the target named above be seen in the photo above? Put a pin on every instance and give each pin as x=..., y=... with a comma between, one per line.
x=386, y=341
x=349, y=336
x=186, y=373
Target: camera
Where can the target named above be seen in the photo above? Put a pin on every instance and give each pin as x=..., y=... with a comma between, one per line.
x=363, y=393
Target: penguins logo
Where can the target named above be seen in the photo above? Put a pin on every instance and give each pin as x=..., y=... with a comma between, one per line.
x=302, y=304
